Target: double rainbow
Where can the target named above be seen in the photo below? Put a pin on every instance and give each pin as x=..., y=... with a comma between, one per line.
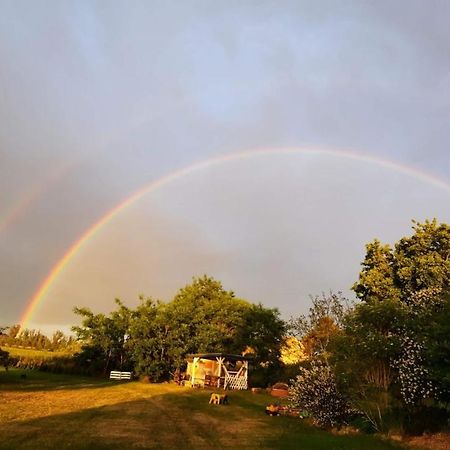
x=58, y=268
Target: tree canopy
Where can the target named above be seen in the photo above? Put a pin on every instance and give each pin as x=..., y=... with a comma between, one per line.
x=417, y=262
x=155, y=337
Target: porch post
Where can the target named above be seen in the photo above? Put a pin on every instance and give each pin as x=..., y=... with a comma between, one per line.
x=194, y=362
x=220, y=361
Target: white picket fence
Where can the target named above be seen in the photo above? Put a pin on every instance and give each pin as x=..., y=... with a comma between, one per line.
x=117, y=375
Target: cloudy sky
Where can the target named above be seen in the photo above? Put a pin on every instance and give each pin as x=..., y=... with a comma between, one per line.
x=99, y=99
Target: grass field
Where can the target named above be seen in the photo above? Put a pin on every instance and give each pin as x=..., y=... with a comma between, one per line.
x=32, y=353
x=48, y=411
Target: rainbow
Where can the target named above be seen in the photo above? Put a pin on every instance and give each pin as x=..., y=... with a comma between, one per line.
x=40, y=293
x=29, y=198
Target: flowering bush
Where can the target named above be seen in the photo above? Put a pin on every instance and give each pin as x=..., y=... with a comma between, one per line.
x=315, y=390
x=415, y=384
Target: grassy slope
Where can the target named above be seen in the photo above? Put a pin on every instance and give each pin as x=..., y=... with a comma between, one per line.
x=32, y=353
x=49, y=411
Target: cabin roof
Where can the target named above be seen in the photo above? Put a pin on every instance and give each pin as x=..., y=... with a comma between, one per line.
x=214, y=356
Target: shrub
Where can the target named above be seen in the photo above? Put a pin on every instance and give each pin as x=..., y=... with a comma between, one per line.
x=315, y=390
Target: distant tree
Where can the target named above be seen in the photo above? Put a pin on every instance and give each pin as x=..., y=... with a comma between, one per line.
x=14, y=331
x=58, y=340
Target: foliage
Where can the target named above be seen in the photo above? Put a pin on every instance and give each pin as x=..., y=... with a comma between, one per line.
x=377, y=277
x=324, y=320
x=149, y=340
x=413, y=375
x=5, y=360
x=292, y=351
x=155, y=338
x=35, y=339
x=418, y=262
x=315, y=390
x=386, y=357
x=262, y=336
x=394, y=352
x=389, y=354
x=206, y=318
x=104, y=338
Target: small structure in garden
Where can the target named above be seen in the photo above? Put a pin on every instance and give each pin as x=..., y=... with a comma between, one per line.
x=279, y=390
x=217, y=370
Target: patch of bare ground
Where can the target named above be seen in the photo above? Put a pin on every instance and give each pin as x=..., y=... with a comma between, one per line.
x=439, y=441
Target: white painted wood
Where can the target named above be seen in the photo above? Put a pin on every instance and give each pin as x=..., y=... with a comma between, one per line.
x=236, y=379
x=220, y=360
x=117, y=375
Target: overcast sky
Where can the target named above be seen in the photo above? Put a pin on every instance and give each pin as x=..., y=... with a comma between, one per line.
x=98, y=99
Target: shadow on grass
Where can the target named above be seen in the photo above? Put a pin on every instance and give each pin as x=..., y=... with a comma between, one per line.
x=168, y=417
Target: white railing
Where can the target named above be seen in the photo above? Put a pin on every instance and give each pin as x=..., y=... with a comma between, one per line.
x=235, y=382
x=117, y=375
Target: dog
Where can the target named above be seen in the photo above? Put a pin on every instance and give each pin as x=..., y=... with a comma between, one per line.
x=218, y=399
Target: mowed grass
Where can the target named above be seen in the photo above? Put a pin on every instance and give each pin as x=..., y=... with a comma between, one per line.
x=47, y=411
x=32, y=353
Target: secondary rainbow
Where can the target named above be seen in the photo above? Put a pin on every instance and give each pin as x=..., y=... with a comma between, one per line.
x=198, y=166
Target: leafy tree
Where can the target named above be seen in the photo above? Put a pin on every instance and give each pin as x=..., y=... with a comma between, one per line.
x=150, y=341
x=377, y=277
x=264, y=332
x=13, y=331
x=324, y=320
x=203, y=317
x=421, y=261
x=104, y=337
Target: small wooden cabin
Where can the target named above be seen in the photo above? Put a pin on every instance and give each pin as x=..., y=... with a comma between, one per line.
x=218, y=370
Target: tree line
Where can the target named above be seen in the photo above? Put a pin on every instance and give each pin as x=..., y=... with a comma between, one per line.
x=14, y=336
x=154, y=338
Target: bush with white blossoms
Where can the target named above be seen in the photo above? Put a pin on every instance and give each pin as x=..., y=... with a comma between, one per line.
x=315, y=391
x=413, y=376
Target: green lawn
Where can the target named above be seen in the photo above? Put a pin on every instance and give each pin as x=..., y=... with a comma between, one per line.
x=46, y=411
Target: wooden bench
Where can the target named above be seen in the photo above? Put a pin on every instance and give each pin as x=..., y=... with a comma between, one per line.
x=117, y=375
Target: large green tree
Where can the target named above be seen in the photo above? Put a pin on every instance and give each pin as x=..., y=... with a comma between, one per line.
x=104, y=338
x=150, y=342
x=204, y=317
x=417, y=262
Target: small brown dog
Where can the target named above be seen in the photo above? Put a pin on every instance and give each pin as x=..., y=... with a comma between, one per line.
x=218, y=399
